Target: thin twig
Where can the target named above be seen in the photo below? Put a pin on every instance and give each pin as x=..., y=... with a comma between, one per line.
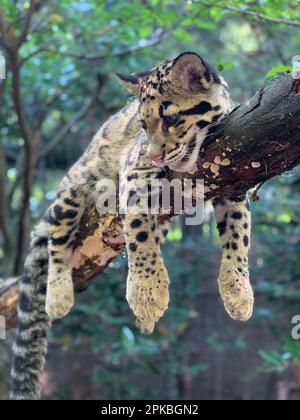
x=27, y=21
x=264, y=17
x=61, y=135
x=254, y=14
x=156, y=37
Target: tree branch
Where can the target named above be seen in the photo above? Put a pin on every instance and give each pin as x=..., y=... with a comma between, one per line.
x=27, y=22
x=264, y=17
x=259, y=140
x=29, y=156
x=257, y=15
x=2, y=26
x=60, y=136
x=4, y=219
x=155, y=38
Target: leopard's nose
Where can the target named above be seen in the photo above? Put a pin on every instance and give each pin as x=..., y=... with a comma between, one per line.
x=159, y=159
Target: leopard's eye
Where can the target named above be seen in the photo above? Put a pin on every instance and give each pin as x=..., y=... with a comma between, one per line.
x=144, y=124
x=170, y=120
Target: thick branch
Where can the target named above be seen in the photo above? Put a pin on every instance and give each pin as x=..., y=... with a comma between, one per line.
x=259, y=140
x=2, y=26
x=30, y=146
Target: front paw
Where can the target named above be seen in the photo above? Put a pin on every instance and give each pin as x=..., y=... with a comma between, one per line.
x=238, y=298
x=145, y=326
x=148, y=297
x=60, y=298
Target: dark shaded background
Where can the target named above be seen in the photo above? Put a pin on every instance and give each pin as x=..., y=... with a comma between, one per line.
x=65, y=93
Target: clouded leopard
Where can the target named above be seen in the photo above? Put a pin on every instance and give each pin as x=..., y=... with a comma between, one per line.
x=177, y=105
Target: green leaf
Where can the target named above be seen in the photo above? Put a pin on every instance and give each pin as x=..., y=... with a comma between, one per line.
x=175, y=235
x=272, y=358
x=224, y=66
x=206, y=25
x=216, y=13
x=277, y=70
x=183, y=35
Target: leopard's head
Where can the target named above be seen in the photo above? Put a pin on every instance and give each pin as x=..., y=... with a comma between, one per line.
x=181, y=100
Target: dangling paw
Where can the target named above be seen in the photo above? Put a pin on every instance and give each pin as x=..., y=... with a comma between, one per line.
x=146, y=327
x=237, y=294
x=60, y=296
x=148, y=297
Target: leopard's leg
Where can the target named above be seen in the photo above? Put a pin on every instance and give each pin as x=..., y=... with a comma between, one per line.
x=234, y=224
x=63, y=219
x=148, y=280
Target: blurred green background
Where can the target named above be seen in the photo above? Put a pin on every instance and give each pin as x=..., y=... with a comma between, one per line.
x=197, y=351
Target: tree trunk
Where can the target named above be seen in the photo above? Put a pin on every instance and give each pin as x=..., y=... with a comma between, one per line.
x=259, y=140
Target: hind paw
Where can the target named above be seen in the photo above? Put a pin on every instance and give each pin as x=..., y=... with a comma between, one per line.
x=60, y=299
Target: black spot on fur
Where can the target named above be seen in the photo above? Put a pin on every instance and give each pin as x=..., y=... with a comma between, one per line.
x=142, y=237
x=25, y=303
x=60, y=241
x=202, y=124
x=60, y=214
x=237, y=215
x=246, y=241
x=136, y=223
x=161, y=175
x=202, y=108
x=132, y=177
x=41, y=242
x=133, y=247
x=41, y=262
x=238, y=199
x=166, y=104
x=222, y=227
x=52, y=220
x=219, y=202
x=71, y=203
x=216, y=118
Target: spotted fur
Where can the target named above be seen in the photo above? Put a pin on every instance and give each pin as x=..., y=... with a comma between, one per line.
x=178, y=104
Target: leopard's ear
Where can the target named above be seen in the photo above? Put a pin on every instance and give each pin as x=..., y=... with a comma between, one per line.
x=190, y=73
x=132, y=81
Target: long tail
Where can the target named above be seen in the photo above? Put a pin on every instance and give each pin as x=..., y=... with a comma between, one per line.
x=30, y=345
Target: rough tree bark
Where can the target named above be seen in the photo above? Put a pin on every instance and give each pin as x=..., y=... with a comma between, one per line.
x=259, y=140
